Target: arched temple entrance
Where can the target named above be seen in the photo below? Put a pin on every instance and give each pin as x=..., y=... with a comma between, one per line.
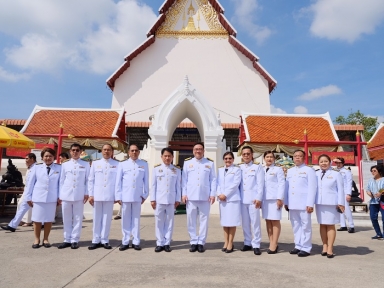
x=185, y=102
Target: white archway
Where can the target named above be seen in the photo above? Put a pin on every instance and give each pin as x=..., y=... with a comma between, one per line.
x=186, y=102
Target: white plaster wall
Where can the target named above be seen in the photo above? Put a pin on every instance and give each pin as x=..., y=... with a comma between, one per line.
x=214, y=67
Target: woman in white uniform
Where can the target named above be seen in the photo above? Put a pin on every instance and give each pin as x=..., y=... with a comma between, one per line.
x=273, y=200
x=329, y=202
x=228, y=195
x=42, y=195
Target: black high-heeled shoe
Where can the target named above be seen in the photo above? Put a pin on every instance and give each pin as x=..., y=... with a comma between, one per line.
x=330, y=256
x=223, y=249
x=269, y=251
x=35, y=246
x=324, y=253
x=229, y=251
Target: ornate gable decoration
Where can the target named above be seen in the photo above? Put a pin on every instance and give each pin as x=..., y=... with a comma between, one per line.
x=191, y=19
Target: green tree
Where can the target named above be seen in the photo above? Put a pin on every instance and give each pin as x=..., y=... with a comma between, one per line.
x=358, y=118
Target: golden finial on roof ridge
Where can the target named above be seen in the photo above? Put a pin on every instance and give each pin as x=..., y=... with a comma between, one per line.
x=296, y=141
x=357, y=133
x=305, y=131
x=61, y=125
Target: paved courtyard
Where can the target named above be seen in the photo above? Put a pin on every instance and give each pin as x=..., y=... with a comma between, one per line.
x=358, y=260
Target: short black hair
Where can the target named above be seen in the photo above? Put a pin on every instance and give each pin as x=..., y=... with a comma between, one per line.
x=76, y=145
x=31, y=156
x=268, y=152
x=166, y=149
x=108, y=145
x=64, y=155
x=49, y=150
x=299, y=150
x=199, y=143
x=247, y=147
x=326, y=156
x=341, y=160
x=133, y=144
x=228, y=153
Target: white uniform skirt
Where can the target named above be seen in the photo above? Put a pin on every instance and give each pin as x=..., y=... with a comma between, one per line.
x=230, y=214
x=327, y=214
x=269, y=210
x=43, y=212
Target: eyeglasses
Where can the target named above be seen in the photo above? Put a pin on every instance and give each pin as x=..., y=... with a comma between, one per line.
x=374, y=171
x=134, y=150
x=75, y=150
x=228, y=158
x=246, y=154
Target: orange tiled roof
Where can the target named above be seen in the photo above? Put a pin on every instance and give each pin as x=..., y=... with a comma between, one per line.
x=378, y=138
x=349, y=127
x=79, y=123
x=137, y=124
x=376, y=154
x=285, y=129
x=13, y=121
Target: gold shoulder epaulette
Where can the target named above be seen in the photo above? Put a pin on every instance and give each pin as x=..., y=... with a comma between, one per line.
x=236, y=165
x=220, y=167
x=123, y=160
x=66, y=160
x=157, y=165
x=210, y=159
x=177, y=166
x=334, y=169
x=257, y=163
x=38, y=163
x=187, y=159
x=240, y=163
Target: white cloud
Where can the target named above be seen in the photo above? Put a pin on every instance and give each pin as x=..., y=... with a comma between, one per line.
x=321, y=92
x=244, y=16
x=380, y=119
x=90, y=35
x=275, y=110
x=300, y=110
x=12, y=77
x=345, y=20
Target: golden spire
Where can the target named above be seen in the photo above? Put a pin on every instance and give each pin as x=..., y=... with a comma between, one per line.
x=296, y=141
x=61, y=125
x=357, y=133
x=305, y=131
x=191, y=24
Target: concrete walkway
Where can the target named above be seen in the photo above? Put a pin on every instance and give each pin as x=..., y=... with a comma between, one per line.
x=358, y=261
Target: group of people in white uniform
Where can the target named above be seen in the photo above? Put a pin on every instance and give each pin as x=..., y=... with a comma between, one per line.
x=245, y=192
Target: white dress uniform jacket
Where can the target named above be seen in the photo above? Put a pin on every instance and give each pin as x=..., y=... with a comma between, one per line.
x=199, y=179
x=252, y=186
x=300, y=188
x=228, y=183
x=166, y=184
x=330, y=188
x=132, y=181
x=102, y=179
x=42, y=187
x=74, y=180
x=347, y=179
x=274, y=183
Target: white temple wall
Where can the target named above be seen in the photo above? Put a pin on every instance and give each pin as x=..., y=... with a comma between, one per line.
x=219, y=71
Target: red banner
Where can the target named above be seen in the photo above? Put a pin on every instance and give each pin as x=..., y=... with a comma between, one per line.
x=19, y=152
x=349, y=157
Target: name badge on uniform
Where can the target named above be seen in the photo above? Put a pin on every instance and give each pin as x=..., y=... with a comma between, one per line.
x=173, y=170
x=252, y=171
x=302, y=173
x=272, y=174
x=56, y=172
x=207, y=166
x=329, y=177
x=141, y=167
x=191, y=166
x=81, y=167
x=112, y=166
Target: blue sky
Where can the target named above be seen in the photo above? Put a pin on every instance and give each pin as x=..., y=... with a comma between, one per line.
x=326, y=55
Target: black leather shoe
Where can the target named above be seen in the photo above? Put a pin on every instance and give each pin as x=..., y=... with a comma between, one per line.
x=246, y=248
x=159, y=249
x=223, y=249
x=136, y=247
x=323, y=253
x=303, y=254
x=8, y=228
x=330, y=256
x=47, y=245
x=123, y=247
x=74, y=245
x=269, y=251
x=294, y=251
x=229, y=250
x=106, y=246
x=351, y=230
x=200, y=248
x=256, y=251
x=167, y=248
x=342, y=229
x=95, y=246
x=117, y=217
x=193, y=248
x=35, y=246
x=377, y=237
x=64, y=245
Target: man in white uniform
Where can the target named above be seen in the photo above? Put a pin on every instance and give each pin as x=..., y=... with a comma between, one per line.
x=131, y=190
x=165, y=196
x=73, y=195
x=24, y=212
x=300, y=196
x=252, y=189
x=101, y=189
x=347, y=179
x=198, y=190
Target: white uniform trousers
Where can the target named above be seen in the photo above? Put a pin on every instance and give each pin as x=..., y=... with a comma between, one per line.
x=22, y=209
x=102, y=214
x=164, y=215
x=72, y=220
x=250, y=217
x=302, y=229
x=130, y=222
x=204, y=208
x=347, y=213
